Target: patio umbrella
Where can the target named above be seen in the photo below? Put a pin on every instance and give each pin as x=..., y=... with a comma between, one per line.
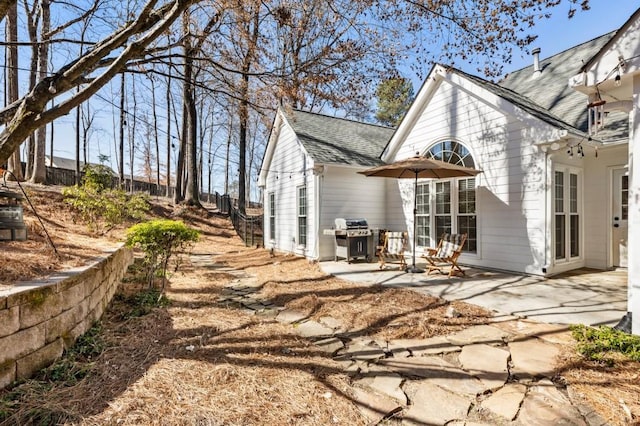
x=414, y=168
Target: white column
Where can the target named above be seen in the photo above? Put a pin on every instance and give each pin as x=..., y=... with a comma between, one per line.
x=633, y=240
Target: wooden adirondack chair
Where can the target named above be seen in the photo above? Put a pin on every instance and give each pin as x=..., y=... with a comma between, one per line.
x=446, y=254
x=393, y=247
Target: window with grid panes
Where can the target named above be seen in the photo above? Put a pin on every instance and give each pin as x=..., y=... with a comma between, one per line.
x=447, y=206
x=567, y=212
x=423, y=236
x=272, y=215
x=302, y=215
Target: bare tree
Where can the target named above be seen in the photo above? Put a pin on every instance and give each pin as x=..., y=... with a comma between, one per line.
x=155, y=131
x=130, y=40
x=123, y=122
x=5, y=6
x=39, y=173
x=13, y=155
x=305, y=54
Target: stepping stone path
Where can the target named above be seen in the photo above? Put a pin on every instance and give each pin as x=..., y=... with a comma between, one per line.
x=486, y=374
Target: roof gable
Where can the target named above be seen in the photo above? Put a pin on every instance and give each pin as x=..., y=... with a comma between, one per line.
x=625, y=29
x=550, y=91
x=548, y=126
x=331, y=140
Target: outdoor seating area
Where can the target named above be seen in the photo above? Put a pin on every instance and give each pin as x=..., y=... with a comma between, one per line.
x=391, y=247
x=446, y=254
x=583, y=296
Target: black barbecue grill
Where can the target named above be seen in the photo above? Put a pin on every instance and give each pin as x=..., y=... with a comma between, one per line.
x=353, y=239
x=12, y=227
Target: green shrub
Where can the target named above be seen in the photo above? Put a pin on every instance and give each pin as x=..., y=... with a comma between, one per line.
x=597, y=343
x=159, y=240
x=97, y=178
x=95, y=202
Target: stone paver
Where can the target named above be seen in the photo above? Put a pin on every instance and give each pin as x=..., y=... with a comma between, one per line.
x=550, y=333
x=545, y=405
x=385, y=383
x=437, y=371
x=592, y=418
x=443, y=377
x=433, y=405
x=374, y=406
x=486, y=334
x=421, y=347
x=487, y=363
x=330, y=322
x=506, y=401
x=330, y=345
x=362, y=350
x=313, y=329
x=533, y=358
x=289, y=316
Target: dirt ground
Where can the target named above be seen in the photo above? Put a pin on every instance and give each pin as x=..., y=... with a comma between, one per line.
x=198, y=361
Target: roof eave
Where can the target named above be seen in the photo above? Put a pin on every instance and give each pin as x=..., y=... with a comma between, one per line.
x=271, y=145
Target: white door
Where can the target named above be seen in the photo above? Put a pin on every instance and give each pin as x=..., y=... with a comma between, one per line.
x=620, y=217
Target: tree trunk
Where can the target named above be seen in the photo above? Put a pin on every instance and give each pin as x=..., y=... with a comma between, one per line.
x=132, y=133
x=32, y=30
x=78, y=145
x=244, y=119
x=39, y=174
x=121, y=145
x=169, y=143
x=226, y=168
x=178, y=196
x=155, y=134
x=14, y=164
x=191, y=117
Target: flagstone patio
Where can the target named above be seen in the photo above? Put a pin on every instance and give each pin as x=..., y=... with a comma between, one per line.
x=584, y=296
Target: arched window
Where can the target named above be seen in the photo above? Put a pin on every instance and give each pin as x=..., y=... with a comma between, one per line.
x=447, y=205
x=451, y=152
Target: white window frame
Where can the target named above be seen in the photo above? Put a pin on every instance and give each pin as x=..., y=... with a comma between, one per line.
x=301, y=217
x=454, y=210
x=568, y=211
x=272, y=216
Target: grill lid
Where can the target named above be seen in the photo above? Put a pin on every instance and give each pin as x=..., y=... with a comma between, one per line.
x=342, y=223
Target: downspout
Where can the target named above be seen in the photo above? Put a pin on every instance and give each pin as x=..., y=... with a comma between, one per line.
x=318, y=177
x=545, y=267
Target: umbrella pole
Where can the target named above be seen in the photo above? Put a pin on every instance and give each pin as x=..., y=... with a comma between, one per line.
x=413, y=268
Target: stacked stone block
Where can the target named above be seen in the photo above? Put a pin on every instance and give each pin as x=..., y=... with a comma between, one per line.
x=39, y=319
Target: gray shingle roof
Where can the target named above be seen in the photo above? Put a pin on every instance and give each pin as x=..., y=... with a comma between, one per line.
x=67, y=163
x=550, y=91
x=331, y=140
x=522, y=101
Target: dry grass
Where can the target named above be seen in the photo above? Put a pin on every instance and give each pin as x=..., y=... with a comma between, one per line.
x=613, y=391
x=199, y=362
x=35, y=258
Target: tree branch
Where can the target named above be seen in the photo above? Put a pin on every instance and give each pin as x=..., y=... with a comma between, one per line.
x=29, y=113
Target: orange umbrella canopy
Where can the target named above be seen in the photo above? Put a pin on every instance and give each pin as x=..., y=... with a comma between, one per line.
x=420, y=167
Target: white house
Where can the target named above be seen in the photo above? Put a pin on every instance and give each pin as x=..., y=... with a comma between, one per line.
x=556, y=190
x=612, y=75
x=309, y=179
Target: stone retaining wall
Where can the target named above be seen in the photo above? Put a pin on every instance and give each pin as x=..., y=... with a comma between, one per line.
x=39, y=319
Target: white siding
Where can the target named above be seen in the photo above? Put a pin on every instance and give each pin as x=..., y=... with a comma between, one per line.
x=598, y=204
x=289, y=169
x=511, y=189
x=347, y=194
